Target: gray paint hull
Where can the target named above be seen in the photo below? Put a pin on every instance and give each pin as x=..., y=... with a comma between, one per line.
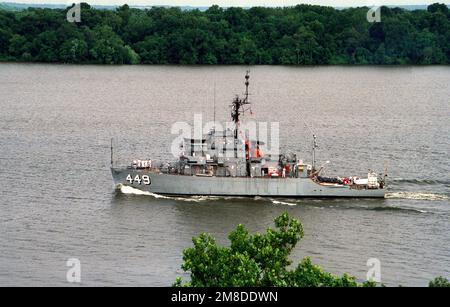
x=237, y=186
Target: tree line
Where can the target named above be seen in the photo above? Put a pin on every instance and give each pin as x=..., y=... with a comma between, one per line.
x=302, y=34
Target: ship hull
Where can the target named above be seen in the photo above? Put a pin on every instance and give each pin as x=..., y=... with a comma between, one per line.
x=168, y=184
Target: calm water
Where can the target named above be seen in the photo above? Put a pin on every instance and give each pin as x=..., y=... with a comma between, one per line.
x=57, y=199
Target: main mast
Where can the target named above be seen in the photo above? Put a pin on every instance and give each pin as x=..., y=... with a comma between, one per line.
x=238, y=106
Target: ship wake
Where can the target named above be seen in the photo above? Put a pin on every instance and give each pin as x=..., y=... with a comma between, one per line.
x=279, y=202
x=133, y=191
x=394, y=195
x=417, y=196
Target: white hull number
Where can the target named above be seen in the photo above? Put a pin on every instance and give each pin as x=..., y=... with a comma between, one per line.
x=144, y=179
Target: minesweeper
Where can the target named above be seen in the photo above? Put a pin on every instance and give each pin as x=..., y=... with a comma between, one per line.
x=206, y=167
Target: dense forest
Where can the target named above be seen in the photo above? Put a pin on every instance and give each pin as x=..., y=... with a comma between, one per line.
x=303, y=34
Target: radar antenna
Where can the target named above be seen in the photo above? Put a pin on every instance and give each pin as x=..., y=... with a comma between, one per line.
x=238, y=105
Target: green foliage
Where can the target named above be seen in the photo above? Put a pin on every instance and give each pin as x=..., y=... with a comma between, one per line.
x=108, y=46
x=439, y=282
x=302, y=34
x=256, y=260
x=18, y=45
x=74, y=51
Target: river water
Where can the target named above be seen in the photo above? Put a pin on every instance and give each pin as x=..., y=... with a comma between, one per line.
x=57, y=199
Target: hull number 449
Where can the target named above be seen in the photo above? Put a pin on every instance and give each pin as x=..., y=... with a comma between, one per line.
x=139, y=180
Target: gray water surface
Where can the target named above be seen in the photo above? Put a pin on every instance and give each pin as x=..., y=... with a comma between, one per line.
x=57, y=199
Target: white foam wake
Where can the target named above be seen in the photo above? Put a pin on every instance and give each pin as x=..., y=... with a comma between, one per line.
x=277, y=202
x=133, y=191
x=416, y=196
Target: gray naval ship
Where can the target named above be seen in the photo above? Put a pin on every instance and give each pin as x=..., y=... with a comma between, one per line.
x=204, y=167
